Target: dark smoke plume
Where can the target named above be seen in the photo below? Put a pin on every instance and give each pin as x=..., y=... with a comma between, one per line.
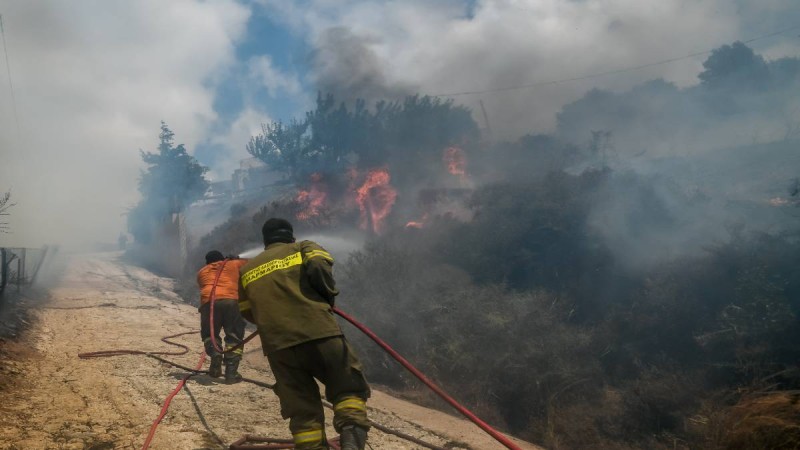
x=344, y=63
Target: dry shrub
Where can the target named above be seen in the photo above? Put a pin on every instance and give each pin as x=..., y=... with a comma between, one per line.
x=524, y=316
x=507, y=355
x=764, y=422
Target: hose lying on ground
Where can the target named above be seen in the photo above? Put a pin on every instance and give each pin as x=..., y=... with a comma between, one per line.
x=168, y=400
x=441, y=393
x=197, y=370
x=399, y=358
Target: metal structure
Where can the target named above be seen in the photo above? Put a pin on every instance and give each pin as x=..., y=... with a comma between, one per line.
x=19, y=267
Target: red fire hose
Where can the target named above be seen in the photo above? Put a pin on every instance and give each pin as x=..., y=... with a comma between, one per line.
x=469, y=415
x=441, y=393
x=168, y=400
x=166, y=339
x=212, y=299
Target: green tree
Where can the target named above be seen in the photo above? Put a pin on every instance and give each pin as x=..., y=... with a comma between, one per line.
x=335, y=133
x=735, y=65
x=281, y=146
x=405, y=135
x=320, y=142
x=172, y=180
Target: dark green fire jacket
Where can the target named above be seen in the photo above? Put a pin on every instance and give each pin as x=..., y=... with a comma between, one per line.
x=287, y=291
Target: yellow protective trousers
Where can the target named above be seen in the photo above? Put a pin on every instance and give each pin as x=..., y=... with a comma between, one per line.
x=332, y=362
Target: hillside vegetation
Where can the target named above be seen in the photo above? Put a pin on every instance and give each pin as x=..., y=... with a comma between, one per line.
x=612, y=285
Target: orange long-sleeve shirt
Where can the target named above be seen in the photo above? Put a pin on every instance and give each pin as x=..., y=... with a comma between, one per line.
x=228, y=284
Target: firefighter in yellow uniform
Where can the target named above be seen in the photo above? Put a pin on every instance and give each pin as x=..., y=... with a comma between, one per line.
x=288, y=291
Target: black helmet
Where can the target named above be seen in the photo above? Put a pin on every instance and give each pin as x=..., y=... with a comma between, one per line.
x=213, y=256
x=277, y=230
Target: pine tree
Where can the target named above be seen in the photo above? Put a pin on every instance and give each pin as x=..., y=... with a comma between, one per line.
x=172, y=180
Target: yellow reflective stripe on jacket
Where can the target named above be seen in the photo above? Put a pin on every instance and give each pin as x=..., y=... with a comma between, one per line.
x=244, y=305
x=307, y=436
x=351, y=403
x=268, y=267
x=321, y=253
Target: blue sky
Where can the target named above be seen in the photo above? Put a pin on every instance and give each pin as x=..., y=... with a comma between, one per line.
x=93, y=79
x=456, y=45
x=264, y=35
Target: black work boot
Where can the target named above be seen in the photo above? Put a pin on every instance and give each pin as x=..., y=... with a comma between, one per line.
x=215, y=368
x=353, y=437
x=232, y=371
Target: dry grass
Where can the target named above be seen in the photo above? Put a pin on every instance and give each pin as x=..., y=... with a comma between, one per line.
x=764, y=422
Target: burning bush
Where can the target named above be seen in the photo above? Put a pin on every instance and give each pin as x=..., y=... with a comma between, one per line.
x=551, y=303
x=407, y=137
x=524, y=306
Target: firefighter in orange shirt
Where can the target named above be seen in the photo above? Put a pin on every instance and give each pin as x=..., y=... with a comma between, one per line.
x=226, y=313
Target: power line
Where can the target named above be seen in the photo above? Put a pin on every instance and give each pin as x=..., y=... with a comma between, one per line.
x=606, y=73
x=8, y=68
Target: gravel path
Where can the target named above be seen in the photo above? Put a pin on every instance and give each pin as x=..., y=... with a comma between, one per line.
x=50, y=399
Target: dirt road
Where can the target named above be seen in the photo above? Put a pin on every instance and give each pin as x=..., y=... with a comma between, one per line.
x=50, y=399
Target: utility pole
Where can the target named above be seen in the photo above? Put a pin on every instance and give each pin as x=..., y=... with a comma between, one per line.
x=486, y=121
x=8, y=69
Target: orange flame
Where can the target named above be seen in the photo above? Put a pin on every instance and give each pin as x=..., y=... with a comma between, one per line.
x=314, y=198
x=418, y=224
x=778, y=201
x=375, y=199
x=455, y=160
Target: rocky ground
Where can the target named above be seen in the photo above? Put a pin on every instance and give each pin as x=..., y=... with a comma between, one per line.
x=51, y=399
